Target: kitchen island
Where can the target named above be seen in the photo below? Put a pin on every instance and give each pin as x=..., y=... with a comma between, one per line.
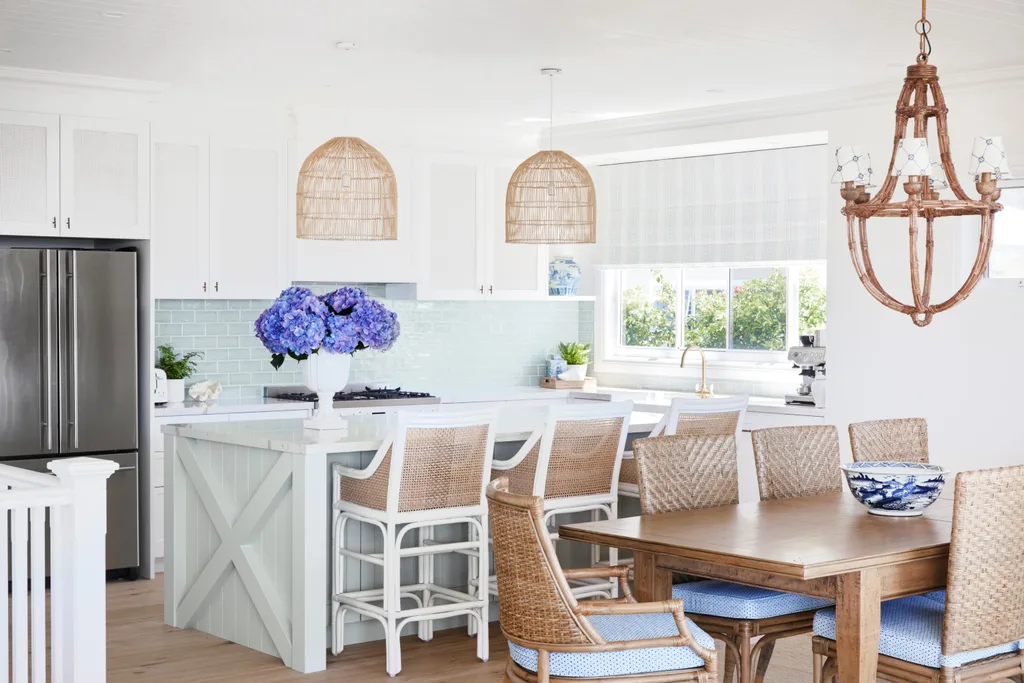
x=247, y=528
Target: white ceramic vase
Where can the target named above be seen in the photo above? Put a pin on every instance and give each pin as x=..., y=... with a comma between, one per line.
x=175, y=391
x=574, y=373
x=325, y=374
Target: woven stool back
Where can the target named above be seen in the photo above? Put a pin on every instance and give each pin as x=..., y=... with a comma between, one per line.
x=534, y=600
x=684, y=472
x=902, y=440
x=703, y=416
x=985, y=582
x=793, y=462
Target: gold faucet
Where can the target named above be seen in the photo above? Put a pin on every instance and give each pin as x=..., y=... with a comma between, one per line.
x=703, y=391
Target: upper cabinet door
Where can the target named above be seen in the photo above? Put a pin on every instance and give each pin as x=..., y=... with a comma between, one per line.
x=29, y=174
x=515, y=271
x=248, y=202
x=451, y=201
x=104, y=184
x=181, y=216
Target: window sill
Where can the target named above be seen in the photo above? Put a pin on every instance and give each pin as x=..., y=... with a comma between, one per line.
x=754, y=371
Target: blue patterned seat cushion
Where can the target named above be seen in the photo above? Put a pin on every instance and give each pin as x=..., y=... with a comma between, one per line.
x=912, y=631
x=734, y=601
x=628, y=662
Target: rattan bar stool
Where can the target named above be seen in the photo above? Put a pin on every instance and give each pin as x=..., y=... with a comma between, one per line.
x=573, y=464
x=900, y=440
x=693, y=416
x=432, y=472
x=552, y=637
x=686, y=472
x=974, y=632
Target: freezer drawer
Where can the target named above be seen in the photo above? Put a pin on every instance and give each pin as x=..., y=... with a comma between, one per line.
x=122, y=508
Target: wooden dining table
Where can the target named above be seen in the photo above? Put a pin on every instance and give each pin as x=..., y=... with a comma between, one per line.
x=825, y=546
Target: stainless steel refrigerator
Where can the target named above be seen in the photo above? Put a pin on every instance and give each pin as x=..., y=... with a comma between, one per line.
x=69, y=372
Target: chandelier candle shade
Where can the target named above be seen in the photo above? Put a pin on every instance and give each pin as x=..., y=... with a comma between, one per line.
x=921, y=101
x=346, y=191
x=550, y=197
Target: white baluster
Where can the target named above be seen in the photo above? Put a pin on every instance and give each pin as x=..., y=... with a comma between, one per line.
x=38, y=597
x=19, y=595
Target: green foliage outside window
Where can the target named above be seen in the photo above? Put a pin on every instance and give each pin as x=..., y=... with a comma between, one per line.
x=758, y=313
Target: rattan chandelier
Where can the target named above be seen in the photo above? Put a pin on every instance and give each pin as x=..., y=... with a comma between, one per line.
x=923, y=180
x=346, y=191
x=550, y=197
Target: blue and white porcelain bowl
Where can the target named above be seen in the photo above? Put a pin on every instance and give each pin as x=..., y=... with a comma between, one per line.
x=895, y=489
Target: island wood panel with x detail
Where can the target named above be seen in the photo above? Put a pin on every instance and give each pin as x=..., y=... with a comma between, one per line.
x=247, y=559
x=824, y=546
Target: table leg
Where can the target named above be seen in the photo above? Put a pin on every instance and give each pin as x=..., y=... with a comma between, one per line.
x=652, y=583
x=858, y=611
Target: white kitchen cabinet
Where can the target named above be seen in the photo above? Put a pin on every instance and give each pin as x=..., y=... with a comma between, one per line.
x=181, y=216
x=104, y=178
x=248, y=205
x=29, y=174
x=463, y=203
x=219, y=211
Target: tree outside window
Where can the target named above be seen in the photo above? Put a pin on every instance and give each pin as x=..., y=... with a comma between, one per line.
x=758, y=315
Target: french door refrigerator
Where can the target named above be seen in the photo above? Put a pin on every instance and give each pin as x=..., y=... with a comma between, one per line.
x=68, y=372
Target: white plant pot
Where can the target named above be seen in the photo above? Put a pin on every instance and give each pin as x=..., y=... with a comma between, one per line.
x=175, y=391
x=574, y=373
x=325, y=374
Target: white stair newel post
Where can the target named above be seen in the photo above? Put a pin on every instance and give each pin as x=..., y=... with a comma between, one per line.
x=83, y=529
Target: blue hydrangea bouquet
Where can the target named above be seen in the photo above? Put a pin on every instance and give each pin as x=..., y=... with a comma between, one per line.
x=300, y=323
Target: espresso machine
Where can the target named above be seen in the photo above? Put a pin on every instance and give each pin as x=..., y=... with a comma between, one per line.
x=810, y=359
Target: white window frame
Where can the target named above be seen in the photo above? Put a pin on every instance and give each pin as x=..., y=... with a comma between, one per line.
x=613, y=356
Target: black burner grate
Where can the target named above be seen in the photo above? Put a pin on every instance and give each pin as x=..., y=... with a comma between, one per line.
x=364, y=395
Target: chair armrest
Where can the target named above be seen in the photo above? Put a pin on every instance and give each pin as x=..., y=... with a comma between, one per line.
x=619, y=571
x=524, y=451
x=673, y=607
x=339, y=470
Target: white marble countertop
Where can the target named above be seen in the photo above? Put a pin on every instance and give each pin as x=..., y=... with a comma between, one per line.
x=655, y=398
x=364, y=433
x=227, y=406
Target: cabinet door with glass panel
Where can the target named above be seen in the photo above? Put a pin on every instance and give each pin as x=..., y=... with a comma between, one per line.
x=749, y=312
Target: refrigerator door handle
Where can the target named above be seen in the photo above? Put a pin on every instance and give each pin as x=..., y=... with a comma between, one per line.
x=72, y=304
x=45, y=283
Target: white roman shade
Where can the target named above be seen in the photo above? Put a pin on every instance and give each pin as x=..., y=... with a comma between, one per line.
x=765, y=206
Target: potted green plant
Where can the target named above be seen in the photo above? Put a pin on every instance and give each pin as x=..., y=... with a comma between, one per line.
x=576, y=355
x=177, y=370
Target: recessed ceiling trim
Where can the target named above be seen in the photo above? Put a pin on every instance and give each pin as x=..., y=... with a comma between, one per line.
x=16, y=74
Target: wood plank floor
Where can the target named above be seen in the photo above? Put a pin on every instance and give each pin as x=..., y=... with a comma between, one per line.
x=141, y=648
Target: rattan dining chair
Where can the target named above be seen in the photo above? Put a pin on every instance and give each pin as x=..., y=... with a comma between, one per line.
x=552, y=637
x=900, y=440
x=689, y=472
x=793, y=462
x=573, y=463
x=432, y=472
x=973, y=633
x=694, y=416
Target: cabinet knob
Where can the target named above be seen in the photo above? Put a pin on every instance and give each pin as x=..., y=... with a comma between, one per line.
x=216, y=286
x=490, y=289
x=54, y=222
x=69, y=223
x=481, y=289
x=204, y=286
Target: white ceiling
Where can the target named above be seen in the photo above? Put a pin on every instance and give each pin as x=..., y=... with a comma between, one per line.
x=479, y=59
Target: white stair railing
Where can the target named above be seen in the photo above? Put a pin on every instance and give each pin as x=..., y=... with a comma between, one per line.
x=74, y=499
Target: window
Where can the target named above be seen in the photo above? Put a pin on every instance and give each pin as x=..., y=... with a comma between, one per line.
x=734, y=310
x=1007, y=260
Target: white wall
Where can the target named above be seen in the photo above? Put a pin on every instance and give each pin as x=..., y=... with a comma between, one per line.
x=963, y=372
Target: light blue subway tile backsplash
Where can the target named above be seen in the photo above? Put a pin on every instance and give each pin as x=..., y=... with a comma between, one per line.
x=444, y=345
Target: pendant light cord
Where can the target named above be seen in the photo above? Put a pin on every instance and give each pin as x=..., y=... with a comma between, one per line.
x=551, y=113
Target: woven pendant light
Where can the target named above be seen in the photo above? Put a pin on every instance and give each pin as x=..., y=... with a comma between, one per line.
x=346, y=191
x=550, y=198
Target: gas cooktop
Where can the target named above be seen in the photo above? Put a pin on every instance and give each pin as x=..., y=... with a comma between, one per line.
x=367, y=394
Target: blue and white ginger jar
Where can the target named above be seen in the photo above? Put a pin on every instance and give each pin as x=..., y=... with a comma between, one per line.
x=563, y=277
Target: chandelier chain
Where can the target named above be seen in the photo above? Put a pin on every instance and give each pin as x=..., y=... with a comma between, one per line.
x=923, y=27
x=551, y=112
